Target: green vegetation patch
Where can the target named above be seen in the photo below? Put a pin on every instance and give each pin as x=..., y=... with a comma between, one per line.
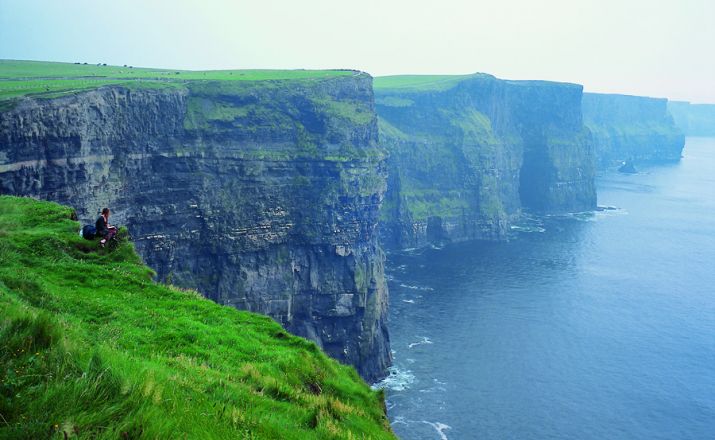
x=418, y=83
x=425, y=203
x=40, y=78
x=93, y=348
x=394, y=101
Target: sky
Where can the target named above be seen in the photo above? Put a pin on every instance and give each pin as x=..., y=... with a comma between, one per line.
x=663, y=48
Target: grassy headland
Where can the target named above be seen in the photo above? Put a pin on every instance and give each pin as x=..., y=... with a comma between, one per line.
x=93, y=348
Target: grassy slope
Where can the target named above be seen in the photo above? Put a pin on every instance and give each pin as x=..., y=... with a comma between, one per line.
x=21, y=78
x=92, y=348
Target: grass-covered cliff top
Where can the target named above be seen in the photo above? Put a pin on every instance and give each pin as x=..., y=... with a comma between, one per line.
x=440, y=83
x=21, y=78
x=93, y=348
x=420, y=83
x=626, y=110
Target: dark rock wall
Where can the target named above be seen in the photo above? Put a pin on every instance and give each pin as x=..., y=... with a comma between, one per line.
x=261, y=195
x=631, y=128
x=463, y=161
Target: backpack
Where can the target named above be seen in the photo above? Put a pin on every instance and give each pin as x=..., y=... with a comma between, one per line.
x=89, y=232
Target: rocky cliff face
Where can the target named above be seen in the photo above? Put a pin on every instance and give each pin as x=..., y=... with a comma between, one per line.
x=263, y=195
x=631, y=128
x=466, y=154
x=693, y=119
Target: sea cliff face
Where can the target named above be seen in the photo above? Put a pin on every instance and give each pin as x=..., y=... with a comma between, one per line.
x=693, y=119
x=466, y=154
x=631, y=128
x=263, y=195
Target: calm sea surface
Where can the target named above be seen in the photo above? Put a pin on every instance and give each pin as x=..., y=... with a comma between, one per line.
x=593, y=326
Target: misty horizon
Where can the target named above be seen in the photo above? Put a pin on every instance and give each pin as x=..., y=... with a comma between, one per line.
x=632, y=47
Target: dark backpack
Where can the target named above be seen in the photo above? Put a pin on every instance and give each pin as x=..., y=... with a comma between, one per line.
x=89, y=232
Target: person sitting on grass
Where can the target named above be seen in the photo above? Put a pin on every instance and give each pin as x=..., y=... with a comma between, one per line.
x=104, y=229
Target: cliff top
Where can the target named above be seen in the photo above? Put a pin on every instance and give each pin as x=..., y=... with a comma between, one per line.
x=422, y=82
x=93, y=348
x=622, y=97
x=20, y=78
x=440, y=83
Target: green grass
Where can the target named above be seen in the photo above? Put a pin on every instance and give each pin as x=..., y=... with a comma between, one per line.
x=418, y=83
x=93, y=348
x=40, y=78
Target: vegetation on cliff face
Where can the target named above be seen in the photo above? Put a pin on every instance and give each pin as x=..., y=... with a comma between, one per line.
x=93, y=348
x=441, y=148
x=467, y=152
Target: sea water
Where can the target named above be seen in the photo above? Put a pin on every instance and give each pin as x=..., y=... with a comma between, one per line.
x=589, y=326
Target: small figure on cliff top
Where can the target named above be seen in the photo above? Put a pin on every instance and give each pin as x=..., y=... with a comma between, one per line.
x=104, y=229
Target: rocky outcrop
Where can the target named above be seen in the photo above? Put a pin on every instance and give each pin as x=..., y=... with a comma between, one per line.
x=631, y=128
x=466, y=154
x=263, y=195
x=693, y=119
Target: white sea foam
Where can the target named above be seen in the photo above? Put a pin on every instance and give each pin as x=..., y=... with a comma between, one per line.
x=399, y=420
x=519, y=228
x=413, y=287
x=425, y=340
x=408, y=301
x=607, y=211
x=397, y=380
x=440, y=428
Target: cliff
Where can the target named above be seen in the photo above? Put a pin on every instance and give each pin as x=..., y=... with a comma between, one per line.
x=467, y=153
x=92, y=348
x=262, y=194
x=631, y=128
x=693, y=119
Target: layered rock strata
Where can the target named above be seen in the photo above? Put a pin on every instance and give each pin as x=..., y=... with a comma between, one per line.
x=263, y=195
x=468, y=153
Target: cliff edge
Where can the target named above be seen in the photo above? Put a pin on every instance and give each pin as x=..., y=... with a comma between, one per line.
x=259, y=189
x=93, y=348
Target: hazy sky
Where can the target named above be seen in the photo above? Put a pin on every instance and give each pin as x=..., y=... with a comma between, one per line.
x=643, y=47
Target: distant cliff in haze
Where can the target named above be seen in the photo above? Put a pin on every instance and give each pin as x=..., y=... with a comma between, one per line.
x=694, y=119
x=631, y=128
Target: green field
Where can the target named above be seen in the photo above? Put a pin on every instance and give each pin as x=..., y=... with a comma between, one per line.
x=93, y=348
x=47, y=79
x=418, y=83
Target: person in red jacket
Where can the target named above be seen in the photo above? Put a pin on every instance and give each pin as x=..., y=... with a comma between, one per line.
x=104, y=229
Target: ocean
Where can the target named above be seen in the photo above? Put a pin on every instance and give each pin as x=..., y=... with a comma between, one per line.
x=588, y=326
